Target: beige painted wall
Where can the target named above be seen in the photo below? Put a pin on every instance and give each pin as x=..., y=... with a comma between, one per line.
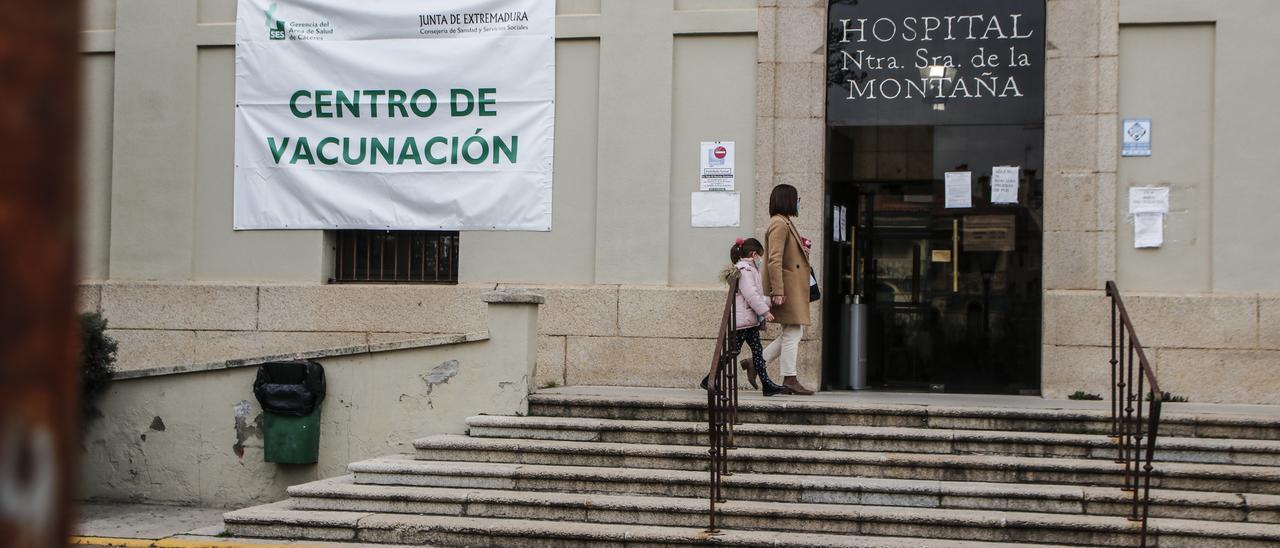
x=1205, y=305
x=180, y=287
x=196, y=438
x=713, y=100
x=98, y=72
x=1160, y=57
x=567, y=253
x=629, y=115
x=1214, y=134
x=160, y=94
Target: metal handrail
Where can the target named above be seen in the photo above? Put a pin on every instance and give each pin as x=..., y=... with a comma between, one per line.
x=1127, y=425
x=722, y=402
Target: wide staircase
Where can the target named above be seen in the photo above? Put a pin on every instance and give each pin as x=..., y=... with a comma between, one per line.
x=618, y=467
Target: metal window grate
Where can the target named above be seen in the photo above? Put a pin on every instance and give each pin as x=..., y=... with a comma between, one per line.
x=375, y=256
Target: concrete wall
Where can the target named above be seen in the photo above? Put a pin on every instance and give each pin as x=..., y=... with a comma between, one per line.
x=179, y=286
x=1204, y=304
x=1214, y=135
x=632, y=105
x=196, y=438
x=634, y=287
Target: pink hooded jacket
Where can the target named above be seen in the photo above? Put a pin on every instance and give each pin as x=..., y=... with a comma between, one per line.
x=751, y=301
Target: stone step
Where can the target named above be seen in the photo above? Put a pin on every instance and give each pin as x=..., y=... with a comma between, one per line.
x=793, y=410
x=282, y=521
x=342, y=494
x=872, y=438
x=925, y=467
x=1016, y=497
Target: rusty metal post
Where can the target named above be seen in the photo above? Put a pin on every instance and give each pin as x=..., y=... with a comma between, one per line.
x=39, y=382
x=1115, y=401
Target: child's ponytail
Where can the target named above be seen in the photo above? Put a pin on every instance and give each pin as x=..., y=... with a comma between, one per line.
x=743, y=248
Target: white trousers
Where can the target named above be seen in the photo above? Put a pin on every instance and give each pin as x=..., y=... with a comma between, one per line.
x=785, y=348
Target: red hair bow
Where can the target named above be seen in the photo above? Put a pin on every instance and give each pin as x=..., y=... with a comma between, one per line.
x=739, y=241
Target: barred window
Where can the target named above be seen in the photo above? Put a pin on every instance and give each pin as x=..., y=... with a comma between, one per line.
x=377, y=256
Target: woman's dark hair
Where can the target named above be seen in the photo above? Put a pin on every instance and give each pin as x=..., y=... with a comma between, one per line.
x=782, y=201
x=743, y=249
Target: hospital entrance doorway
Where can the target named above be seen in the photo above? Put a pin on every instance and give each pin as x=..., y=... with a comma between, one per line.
x=936, y=235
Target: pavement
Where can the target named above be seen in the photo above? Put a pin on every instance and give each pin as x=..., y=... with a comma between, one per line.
x=125, y=525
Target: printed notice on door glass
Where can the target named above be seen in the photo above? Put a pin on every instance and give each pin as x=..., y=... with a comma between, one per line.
x=959, y=189
x=1004, y=184
x=1148, y=230
x=844, y=225
x=835, y=223
x=716, y=160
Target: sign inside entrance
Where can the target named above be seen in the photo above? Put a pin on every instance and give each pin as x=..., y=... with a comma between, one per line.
x=395, y=114
x=988, y=232
x=935, y=62
x=959, y=189
x=1004, y=184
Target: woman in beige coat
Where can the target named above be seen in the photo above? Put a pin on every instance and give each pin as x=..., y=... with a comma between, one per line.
x=786, y=281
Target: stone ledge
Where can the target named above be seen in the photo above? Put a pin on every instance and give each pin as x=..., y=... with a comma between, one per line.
x=441, y=340
x=513, y=296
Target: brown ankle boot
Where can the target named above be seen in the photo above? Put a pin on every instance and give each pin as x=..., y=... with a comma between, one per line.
x=795, y=386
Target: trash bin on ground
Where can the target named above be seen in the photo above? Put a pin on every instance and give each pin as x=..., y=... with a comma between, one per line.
x=852, y=371
x=290, y=394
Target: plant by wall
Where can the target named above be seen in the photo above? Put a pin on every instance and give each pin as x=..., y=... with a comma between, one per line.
x=1082, y=395
x=1169, y=397
x=97, y=362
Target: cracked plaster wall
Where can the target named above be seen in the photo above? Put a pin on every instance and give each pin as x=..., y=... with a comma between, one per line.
x=196, y=438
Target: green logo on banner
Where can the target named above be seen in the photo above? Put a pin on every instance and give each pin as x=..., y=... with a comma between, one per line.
x=275, y=27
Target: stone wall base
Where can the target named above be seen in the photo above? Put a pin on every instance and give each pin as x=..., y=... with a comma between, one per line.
x=1207, y=347
x=1210, y=348
x=588, y=335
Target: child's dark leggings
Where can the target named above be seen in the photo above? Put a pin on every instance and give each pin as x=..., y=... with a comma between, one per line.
x=751, y=335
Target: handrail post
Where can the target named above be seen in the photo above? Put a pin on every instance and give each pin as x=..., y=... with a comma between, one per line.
x=1121, y=397
x=1128, y=358
x=1154, y=417
x=1137, y=449
x=1115, y=402
x=722, y=407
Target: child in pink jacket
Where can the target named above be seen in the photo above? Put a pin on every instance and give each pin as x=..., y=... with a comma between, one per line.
x=752, y=309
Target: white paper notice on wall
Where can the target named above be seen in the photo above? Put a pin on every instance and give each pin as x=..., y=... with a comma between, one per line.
x=715, y=209
x=1148, y=230
x=1004, y=184
x=716, y=165
x=1148, y=199
x=959, y=189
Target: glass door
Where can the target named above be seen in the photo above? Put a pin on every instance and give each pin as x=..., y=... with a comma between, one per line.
x=952, y=293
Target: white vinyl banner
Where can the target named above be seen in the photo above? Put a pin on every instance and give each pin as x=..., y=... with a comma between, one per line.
x=394, y=114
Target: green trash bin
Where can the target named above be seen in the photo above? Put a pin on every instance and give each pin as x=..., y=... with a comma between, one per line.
x=291, y=440
x=290, y=394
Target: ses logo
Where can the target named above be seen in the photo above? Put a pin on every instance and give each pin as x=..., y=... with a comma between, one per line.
x=275, y=27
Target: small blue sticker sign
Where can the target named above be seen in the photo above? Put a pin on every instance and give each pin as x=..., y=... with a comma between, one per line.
x=1137, y=138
